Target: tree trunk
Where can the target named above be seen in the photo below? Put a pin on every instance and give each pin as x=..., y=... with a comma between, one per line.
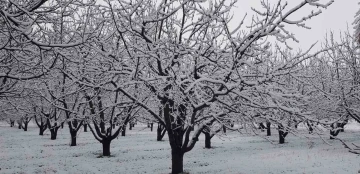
x=151, y=126
x=160, y=132
x=268, y=128
x=19, y=125
x=106, y=147
x=53, y=133
x=123, y=132
x=25, y=125
x=62, y=125
x=130, y=126
x=207, y=140
x=73, y=138
x=85, y=127
x=41, y=131
x=12, y=123
x=177, y=161
x=281, y=137
x=224, y=128
x=282, y=134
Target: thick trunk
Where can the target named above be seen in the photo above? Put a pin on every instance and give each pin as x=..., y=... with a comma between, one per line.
x=224, y=128
x=282, y=134
x=268, y=129
x=281, y=137
x=106, y=147
x=207, y=140
x=151, y=126
x=177, y=161
x=85, y=127
x=130, y=126
x=62, y=125
x=25, y=126
x=53, y=133
x=41, y=131
x=73, y=138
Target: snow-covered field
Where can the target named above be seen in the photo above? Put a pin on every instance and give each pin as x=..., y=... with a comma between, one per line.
x=139, y=152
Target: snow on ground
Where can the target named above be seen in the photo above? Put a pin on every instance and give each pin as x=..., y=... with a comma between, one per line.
x=139, y=152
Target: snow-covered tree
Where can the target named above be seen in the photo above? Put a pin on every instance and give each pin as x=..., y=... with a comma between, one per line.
x=201, y=70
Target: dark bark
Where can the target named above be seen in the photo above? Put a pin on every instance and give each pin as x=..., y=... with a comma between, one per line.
x=42, y=130
x=160, y=132
x=102, y=115
x=102, y=127
x=342, y=125
x=74, y=127
x=53, y=129
x=73, y=138
x=106, y=147
x=53, y=133
x=130, y=126
x=151, y=126
x=123, y=131
x=41, y=124
x=19, y=124
x=335, y=130
x=310, y=126
x=62, y=125
x=268, y=128
x=25, y=122
x=177, y=161
x=25, y=126
x=207, y=140
x=262, y=127
x=85, y=128
x=12, y=123
x=282, y=134
x=224, y=128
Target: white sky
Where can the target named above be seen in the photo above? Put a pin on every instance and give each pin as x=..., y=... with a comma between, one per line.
x=336, y=18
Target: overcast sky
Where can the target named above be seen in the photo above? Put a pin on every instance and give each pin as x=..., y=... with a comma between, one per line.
x=336, y=18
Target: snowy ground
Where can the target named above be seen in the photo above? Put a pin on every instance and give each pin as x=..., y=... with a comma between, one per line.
x=139, y=152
